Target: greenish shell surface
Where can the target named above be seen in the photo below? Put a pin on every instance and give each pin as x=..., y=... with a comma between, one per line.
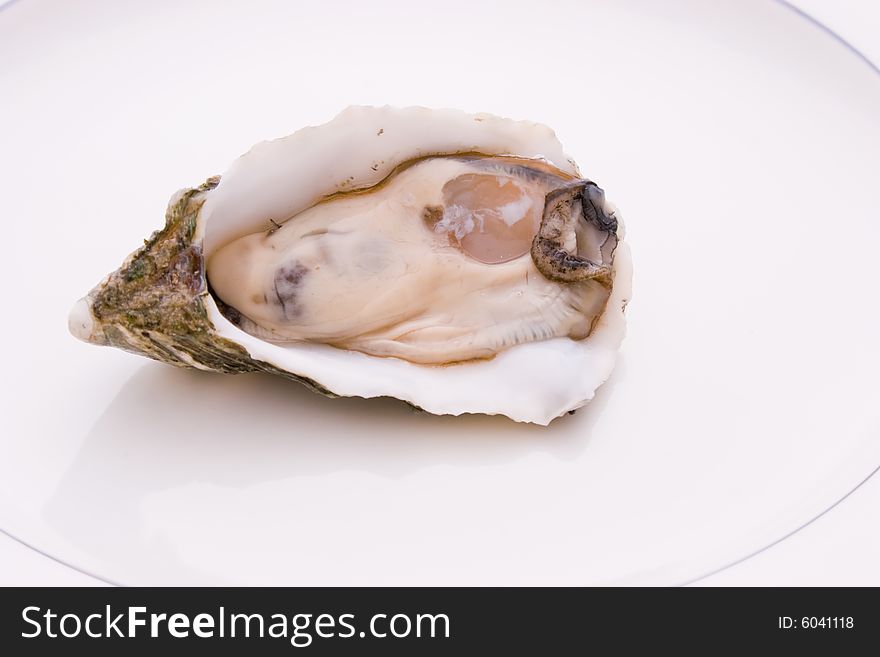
x=154, y=304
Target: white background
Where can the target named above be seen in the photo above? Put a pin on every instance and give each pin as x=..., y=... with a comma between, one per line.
x=838, y=548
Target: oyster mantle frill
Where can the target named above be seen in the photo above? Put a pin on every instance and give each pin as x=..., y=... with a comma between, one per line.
x=363, y=258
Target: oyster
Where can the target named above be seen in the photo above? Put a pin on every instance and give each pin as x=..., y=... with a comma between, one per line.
x=457, y=262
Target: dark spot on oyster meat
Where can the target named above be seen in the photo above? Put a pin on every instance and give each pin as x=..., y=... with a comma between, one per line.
x=225, y=309
x=432, y=214
x=287, y=282
x=232, y=314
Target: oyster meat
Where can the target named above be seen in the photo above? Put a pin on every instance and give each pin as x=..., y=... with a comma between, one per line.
x=432, y=267
x=457, y=262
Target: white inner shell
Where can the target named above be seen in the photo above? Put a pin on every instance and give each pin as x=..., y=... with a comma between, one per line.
x=533, y=382
x=371, y=272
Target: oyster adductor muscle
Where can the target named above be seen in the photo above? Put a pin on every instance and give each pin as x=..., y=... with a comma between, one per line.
x=457, y=262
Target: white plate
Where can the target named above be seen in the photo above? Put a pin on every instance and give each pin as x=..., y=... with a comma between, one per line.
x=739, y=141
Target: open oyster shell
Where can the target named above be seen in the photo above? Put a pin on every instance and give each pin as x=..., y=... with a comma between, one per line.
x=159, y=304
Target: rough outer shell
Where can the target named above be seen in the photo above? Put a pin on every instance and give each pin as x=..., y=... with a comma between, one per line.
x=157, y=303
